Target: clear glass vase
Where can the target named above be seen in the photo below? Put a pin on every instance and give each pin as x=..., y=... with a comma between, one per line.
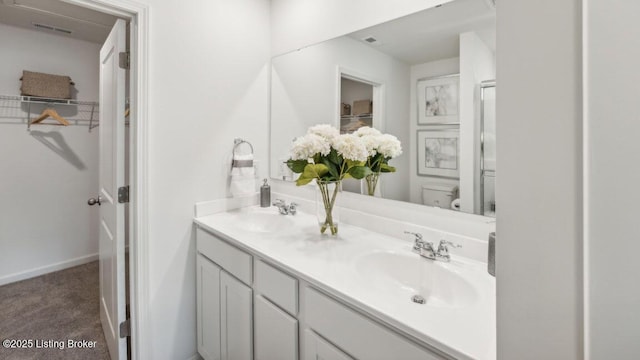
x=372, y=182
x=327, y=206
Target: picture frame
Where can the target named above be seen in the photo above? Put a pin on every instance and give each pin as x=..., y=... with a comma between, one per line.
x=439, y=153
x=438, y=100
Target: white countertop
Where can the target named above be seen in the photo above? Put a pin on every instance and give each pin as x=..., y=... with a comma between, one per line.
x=467, y=331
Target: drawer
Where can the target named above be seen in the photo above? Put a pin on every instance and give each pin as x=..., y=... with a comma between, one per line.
x=277, y=286
x=233, y=260
x=356, y=334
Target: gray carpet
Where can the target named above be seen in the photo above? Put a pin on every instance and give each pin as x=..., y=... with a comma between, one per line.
x=59, y=306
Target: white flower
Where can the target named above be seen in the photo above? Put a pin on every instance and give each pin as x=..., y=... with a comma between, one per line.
x=325, y=130
x=371, y=142
x=305, y=147
x=351, y=147
x=367, y=131
x=369, y=136
x=389, y=146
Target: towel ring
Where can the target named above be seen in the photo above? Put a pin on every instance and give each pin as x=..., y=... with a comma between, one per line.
x=240, y=163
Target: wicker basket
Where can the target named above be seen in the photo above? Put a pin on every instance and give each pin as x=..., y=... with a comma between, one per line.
x=45, y=85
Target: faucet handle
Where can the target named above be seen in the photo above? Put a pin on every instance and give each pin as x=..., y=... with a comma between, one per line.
x=418, y=236
x=277, y=202
x=293, y=207
x=418, y=244
x=421, y=247
x=443, y=249
x=444, y=243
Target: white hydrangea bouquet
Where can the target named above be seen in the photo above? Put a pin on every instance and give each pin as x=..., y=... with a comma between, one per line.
x=328, y=157
x=380, y=149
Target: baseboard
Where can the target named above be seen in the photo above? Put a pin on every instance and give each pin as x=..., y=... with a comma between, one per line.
x=28, y=274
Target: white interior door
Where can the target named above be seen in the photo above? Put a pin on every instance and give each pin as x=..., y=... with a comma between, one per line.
x=112, y=176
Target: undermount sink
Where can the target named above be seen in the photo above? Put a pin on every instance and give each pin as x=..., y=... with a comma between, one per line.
x=438, y=283
x=260, y=220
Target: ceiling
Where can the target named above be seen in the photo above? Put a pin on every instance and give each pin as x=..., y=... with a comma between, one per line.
x=57, y=17
x=433, y=34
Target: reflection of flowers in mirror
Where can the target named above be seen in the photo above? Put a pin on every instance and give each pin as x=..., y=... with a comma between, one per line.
x=381, y=148
x=325, y=154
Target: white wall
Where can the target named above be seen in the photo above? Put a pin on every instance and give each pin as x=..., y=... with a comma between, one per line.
x=477, y=64
x=539, y=189
x=304, y=92
x=612, y=192
x=208, y=84
x=426, y=70
x=299, y=23
x=46, y=175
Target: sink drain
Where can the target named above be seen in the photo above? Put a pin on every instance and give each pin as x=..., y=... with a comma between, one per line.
x=418, y=299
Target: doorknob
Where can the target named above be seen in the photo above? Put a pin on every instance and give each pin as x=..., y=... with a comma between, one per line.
x=94, y=201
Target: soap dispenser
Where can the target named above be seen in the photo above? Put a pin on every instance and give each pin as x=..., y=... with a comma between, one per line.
x=265, y=194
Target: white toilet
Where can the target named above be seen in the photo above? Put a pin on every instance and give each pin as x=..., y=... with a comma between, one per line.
x=438, y=194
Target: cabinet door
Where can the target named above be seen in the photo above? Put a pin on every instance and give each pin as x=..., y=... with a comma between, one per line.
x=208, y=308
x=236, y=319
x=276, y=332
x=317, y=348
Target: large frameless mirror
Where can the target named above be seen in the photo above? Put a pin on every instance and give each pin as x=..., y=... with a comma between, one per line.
x=426, y=78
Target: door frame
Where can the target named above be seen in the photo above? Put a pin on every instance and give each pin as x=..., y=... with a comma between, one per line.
x=138, y=16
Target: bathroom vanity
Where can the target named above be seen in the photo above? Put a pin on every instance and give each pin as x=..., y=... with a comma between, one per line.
x=271, y=287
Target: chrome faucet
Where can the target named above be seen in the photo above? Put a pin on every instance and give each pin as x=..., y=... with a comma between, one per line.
x=285, y=209
x=426, y=250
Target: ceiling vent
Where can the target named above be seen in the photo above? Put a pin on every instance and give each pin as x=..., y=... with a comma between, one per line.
x=371, y=40
x=51, y=28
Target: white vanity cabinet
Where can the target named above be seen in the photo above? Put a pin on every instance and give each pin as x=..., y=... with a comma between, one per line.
x=224, y=306
x=224, y=303
x=250, y=309
x=276, y=311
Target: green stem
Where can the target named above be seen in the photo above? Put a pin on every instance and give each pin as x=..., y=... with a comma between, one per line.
x=372, y=183
x=328, y=203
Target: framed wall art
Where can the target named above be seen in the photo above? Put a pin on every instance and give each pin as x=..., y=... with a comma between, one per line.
x=439, y=153
x=438, y=100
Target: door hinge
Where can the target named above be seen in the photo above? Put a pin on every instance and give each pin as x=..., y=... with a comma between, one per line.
x=124, y=60
x=125, y=328
x=123, y=194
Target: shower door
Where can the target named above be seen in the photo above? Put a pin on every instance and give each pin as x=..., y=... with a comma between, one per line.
x=488, y=148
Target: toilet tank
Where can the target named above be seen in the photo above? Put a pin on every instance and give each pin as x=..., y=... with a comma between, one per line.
x=438, y=194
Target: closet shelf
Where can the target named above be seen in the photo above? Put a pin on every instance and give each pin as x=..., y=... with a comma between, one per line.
x=360, y=116
x=39, y=100
x=91, y=106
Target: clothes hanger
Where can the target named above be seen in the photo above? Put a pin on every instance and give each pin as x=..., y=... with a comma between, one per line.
x=49, y=112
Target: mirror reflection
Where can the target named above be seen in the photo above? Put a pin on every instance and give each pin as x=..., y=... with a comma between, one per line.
x=426, y=78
